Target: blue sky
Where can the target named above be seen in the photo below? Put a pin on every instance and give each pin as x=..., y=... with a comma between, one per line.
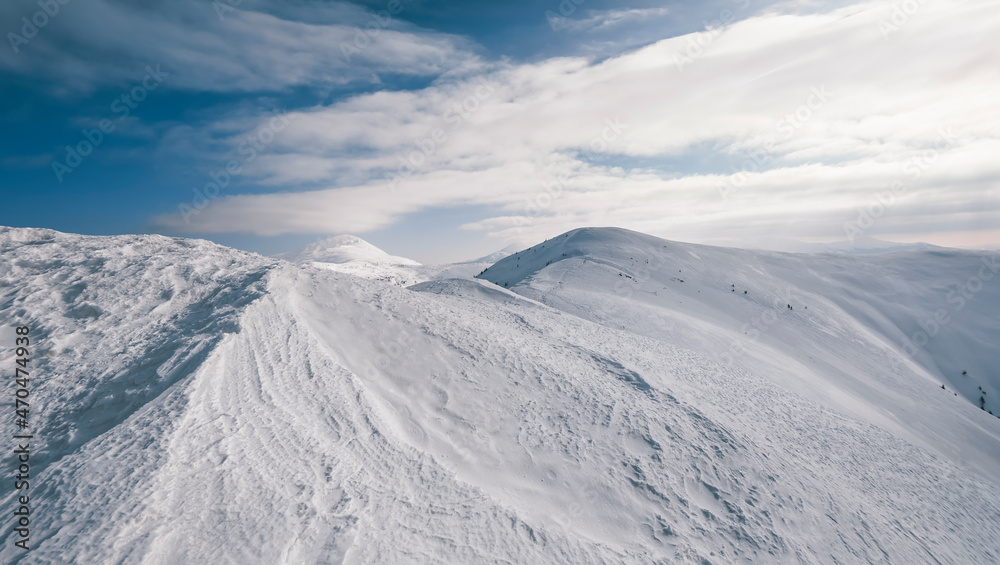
x=444, y=131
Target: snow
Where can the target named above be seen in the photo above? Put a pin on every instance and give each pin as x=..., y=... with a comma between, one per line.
x=204, y=405
x=467, y=269
x=345, y=249
x=353, y=255
x=861, y=244
x=847, y=342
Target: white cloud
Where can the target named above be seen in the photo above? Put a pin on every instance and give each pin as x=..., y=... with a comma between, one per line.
x=203, y=48
x=833, y=112
x=601, y=20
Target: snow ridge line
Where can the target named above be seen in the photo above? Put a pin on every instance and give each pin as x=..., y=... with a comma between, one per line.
x=117, y=322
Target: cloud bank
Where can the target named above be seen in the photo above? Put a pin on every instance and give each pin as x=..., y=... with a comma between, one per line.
x=866, y=119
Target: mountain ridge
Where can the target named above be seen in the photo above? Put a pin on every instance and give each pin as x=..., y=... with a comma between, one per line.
x=789, y=315
x=305, y=415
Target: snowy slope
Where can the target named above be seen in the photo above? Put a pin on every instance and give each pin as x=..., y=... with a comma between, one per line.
x=271, y=412
x=116, y=321
x=847, y=341
x=862, y=244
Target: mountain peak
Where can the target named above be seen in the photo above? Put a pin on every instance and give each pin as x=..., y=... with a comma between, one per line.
x=596, y=244
x=345, y=249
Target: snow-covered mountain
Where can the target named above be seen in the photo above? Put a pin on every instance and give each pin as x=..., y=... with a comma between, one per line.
x=468, y=269
x=343, y=249
x=862, y=244
x=353, y=255
x=197, y=404
x=861, y=334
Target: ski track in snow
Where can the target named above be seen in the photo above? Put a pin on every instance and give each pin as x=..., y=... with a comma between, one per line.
x=202, y=405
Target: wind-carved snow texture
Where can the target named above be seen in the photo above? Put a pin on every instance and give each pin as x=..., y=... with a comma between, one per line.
x=310, y=416
x=117, y=321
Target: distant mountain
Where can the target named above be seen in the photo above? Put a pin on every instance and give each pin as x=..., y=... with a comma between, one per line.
x=468, y=269
x=865, y=245
x=861, y=245
x=353, y=255
x=344, y=249
x=496, y=255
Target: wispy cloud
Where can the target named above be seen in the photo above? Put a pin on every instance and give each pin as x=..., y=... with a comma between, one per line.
x=601, y=20
x=27, y=161
x=529, y=151
x=250, y=47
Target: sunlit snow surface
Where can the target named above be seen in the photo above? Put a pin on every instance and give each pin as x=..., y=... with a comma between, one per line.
x=355, y=256
x=197, y=404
